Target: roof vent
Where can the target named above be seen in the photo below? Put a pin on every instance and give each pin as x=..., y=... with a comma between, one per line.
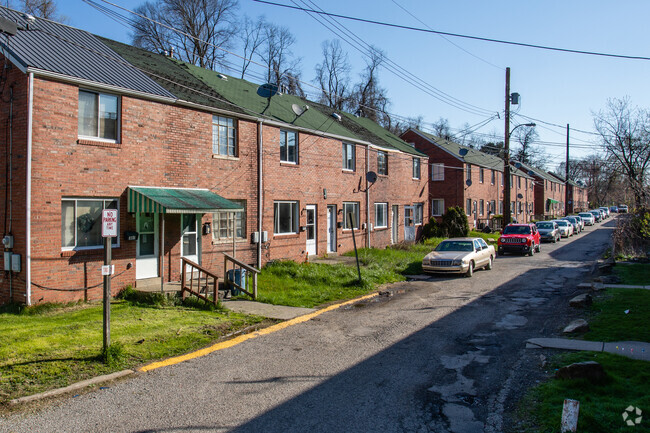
x=337, y=116
x=223, y=77
x=30, y=19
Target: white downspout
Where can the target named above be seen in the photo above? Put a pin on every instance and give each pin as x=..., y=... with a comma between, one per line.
x=260, y=200
x=28, y=198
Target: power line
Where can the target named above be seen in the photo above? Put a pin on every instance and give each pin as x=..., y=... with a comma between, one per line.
x=458, y=35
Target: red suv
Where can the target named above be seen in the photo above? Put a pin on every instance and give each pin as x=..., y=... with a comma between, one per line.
x=520, y=238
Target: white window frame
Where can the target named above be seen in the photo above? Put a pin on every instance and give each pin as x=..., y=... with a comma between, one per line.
x=481, y=207
x=441, y=202
x=226, y=216
x=493, y=177
x=381, y=209
x=468, y=172
x=468, y=206
x=295, y=219
x=418, y=213
x=116, y=240
x=416, y=168
x=355, y=213
x=481, y=175
x=349, y=157
x=382, y=168
x=219, y=122
x=284, y=146
x=437, y=172
x=99, y=96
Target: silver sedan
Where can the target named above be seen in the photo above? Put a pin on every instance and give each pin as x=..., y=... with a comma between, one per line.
x=460, y=256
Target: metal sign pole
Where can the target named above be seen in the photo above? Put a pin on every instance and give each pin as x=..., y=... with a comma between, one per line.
x=356, y=255
x=107, y=293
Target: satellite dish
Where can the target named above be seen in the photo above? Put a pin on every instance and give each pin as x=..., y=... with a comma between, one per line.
x=463, y=152
x=298, y=110
x=468, y=182
x=371, y=177
x=267, y=90
x=518, y=164
x=520, y=196
x=531, y=172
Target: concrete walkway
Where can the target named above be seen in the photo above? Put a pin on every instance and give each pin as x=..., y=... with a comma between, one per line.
x=602, y=286
x=280, y=312
x=631, y=349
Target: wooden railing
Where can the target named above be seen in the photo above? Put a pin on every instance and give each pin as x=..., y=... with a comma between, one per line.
x=203, y=283
x=244, y=277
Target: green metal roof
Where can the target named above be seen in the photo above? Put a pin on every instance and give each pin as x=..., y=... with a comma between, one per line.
x=176, y=200
x=473, y=156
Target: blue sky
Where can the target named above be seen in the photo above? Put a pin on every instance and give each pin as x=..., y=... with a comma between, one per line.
x=558, y=88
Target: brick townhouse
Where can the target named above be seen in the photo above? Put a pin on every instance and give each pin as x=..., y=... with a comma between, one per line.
x=577, y=195
x=197, y=163
x=549, y=192
x=466, y=177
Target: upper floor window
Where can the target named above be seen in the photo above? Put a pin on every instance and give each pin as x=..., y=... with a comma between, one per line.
x=349, y=160
x=493, y=178
x=288, y=146
x=224, y=136
x=81, y=222
x=468, y=170
x=481, y=175
x=382, y=163
x=98, y=115
x=437, y=171
x=416, y=168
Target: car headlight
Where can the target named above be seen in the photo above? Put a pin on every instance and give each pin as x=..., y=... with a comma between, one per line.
x=457, y=262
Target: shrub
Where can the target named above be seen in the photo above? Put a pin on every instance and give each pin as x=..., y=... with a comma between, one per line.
x=632, y=234
x=433, y=230
x=455, y=222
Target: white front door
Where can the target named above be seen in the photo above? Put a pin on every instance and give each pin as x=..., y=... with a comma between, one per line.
x=409, y=223
x=190, y=237
x=146, y=250
x=311, y=229
x=331, y=228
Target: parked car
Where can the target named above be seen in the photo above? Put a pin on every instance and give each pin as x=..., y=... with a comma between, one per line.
x=580, y=221
x=520, y=238
x=588, y=218
x=566, y=228
x=613, y=209
x=622, y=208
x=549, y=231
x=597, y=215
x=460, y=256
x=576, y=224
x=606, y=210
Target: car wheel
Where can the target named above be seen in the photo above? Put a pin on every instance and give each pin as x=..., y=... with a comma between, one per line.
x=532, y=250
x=539, y=247
x=489, y=265
x=470, y=270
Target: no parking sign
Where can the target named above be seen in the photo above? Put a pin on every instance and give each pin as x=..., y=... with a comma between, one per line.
x=109, y=223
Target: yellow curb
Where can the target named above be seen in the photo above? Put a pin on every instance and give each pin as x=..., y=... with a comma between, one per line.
x=237, y=340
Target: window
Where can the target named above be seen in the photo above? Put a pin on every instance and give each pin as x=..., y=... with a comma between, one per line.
x=481, y=207
x=501, y=207
x=519, y=182
x=468, y=170
x=98, y=115
x=437, y=172
x=419, y=209
x=224, y=222
x=285, y=217
x=469, y=206
x=481, y=175
x=350, y=207
x=437, y=207
x=289, y=146
x=348, y=156
x=81, y=223
x=416, y=168
x=501, y=179
x=381, y=215
x=493, y=178
x=224, y=136
x=382, y=163
x=493, y=207
x=520, y=207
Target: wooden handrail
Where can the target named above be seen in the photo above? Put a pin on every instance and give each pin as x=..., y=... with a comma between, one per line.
x=215, y=284
x=236, y=263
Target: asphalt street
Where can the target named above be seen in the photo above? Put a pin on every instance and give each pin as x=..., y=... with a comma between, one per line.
x=439, y=354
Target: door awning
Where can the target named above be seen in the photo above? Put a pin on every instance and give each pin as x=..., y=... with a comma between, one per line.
x=176, y=200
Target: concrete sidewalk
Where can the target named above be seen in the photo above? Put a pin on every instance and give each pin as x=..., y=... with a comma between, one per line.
x=280, y=312
x=631, y=349
x=601, y=286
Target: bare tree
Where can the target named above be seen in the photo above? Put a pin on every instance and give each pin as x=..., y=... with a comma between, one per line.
x=625, y=134
x=197, y=29
x=401, y=126
x=528, y=153
x=368, y=98
x=277, y=55
x=442, y=129
x=332, y=75
x=253, y=37
x=42, y=9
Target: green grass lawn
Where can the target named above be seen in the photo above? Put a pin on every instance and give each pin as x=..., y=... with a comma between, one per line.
x=41, y=350
x=601, y=405
x=633, y=273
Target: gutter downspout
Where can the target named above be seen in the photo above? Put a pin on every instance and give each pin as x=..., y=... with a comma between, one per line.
x=260, y=201
x=368, y=198
x=28, y=198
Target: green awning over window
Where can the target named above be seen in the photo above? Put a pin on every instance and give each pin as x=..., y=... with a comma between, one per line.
x=550, y=200
x=176, y=200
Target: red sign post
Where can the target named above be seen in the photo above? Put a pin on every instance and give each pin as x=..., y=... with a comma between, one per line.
x=109, y=231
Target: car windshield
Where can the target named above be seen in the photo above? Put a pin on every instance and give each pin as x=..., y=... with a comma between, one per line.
x=545, y=225
x=455, y=246
x=516, y=230
x=562, y=223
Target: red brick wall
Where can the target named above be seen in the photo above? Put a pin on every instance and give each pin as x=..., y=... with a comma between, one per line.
x=171, y=146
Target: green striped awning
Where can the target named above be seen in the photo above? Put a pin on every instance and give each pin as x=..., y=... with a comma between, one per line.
x=550, y=200
x=176, y=200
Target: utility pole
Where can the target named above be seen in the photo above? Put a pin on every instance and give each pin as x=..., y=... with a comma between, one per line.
x=506, y=156
x=566, y=177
